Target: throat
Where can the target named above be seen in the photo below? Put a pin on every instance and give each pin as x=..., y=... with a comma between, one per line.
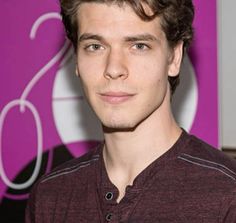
x=124, y=173
x=125, y=158
x=121, y=181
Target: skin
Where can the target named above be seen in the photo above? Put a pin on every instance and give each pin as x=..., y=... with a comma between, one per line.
x=124, y=63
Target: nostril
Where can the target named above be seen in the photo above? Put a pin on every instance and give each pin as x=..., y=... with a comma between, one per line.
x=116, y=75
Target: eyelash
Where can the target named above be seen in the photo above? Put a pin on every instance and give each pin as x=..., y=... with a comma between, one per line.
x=95, y=47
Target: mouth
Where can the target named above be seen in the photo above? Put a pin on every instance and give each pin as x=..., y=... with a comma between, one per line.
x=116, y=97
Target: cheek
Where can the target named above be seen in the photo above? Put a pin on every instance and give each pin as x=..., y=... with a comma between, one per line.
x=152, y=66
x=150, y=75
x=157, y=87
x=90, y=67
x=153, y=80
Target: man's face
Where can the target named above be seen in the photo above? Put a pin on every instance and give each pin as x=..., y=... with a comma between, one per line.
x=123, y=63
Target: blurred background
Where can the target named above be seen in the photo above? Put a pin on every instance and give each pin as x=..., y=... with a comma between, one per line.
x=45, y=119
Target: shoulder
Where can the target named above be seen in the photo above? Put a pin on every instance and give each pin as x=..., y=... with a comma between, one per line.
x=70, y=179
x=73, y=169
x=208, y=160
x=208, y=175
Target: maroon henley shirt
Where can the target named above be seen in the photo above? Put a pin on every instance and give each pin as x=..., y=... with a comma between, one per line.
x=191, y=183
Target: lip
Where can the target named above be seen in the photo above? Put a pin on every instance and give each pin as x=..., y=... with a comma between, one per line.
x=116, y=97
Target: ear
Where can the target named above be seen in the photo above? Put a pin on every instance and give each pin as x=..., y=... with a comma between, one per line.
x=175, y=60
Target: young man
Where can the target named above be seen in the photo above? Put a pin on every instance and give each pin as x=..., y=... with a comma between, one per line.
x=148, y=169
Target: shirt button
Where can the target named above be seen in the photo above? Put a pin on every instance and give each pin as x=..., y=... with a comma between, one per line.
x=109, y=196
x=109, y=217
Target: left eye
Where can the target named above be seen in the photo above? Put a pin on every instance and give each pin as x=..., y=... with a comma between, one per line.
x=141, y=46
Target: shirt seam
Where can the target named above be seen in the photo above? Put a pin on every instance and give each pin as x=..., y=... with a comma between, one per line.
x=208, y=164
x=208, y=161
x=69, y=170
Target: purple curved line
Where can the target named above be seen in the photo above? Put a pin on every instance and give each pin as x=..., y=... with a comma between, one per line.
x=17, y=197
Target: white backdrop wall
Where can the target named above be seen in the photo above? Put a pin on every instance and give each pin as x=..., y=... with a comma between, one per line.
x=227, y=71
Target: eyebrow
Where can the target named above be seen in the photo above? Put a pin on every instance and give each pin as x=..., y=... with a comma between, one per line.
x=89, y=36
x=134, y=38
x=141, y=37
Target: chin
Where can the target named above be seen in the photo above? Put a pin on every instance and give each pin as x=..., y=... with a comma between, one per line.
x=115, y=126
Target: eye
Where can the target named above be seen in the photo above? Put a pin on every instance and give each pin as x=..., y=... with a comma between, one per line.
x=141, y=46
x=94, y=47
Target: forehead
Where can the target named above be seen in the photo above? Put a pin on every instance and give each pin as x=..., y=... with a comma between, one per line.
x=104, y=19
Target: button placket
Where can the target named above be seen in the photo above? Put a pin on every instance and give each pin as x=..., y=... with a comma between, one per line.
x=110, y=213
x=109, y=217
x=109, y=196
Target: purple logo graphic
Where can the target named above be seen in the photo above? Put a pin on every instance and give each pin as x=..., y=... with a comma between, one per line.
x=33, y=50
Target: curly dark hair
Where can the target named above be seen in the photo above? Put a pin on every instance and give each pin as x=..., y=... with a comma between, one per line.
x=176, y=20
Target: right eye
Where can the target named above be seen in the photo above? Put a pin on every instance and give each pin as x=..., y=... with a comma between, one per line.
x=94, y=47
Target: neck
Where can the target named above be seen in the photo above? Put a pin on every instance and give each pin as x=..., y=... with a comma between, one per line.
x=142, y=145
x=127, y=153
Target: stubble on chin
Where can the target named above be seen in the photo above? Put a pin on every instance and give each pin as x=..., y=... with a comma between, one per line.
x=112, y=127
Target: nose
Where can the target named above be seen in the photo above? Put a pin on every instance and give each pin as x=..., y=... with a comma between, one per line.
x=116, y=66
